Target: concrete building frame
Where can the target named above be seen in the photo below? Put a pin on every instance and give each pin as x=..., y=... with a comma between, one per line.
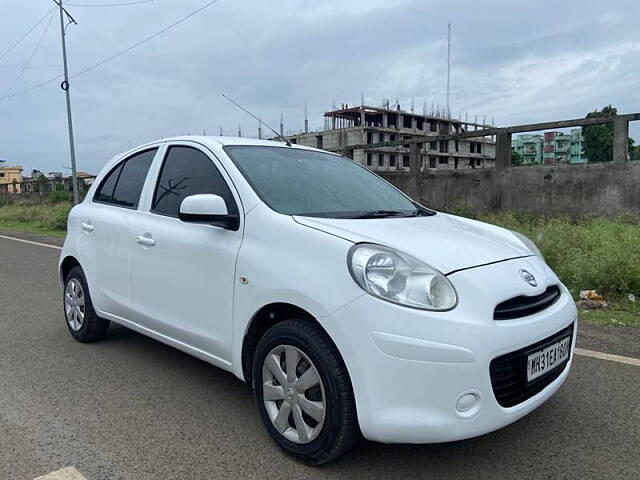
x=376, y=137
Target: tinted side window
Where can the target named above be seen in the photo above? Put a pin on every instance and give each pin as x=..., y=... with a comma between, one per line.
x=187, y=171
x=123, y=185
x=134, y=172
x=105, y=190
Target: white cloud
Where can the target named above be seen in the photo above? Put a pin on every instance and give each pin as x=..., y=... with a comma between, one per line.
x=515, y=61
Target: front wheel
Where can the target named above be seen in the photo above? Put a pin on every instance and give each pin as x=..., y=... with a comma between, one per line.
x=304, y=393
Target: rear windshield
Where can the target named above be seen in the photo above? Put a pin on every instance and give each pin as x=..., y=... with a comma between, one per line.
x=294, y=181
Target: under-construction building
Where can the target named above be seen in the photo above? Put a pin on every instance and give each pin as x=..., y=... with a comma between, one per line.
x=349, y=131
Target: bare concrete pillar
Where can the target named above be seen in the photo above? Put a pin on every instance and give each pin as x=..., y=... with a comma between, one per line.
x=620, y=140
x=362, y=118
x=414, y=157
x=503, y=150
x=385, y=119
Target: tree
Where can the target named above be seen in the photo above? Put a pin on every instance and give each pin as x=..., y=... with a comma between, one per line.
x=39, y=183
x=598, y=139
x=634, y=152
x=516, y=158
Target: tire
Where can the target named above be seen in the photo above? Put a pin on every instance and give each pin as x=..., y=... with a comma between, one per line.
x=81, y=319
x=332, y=430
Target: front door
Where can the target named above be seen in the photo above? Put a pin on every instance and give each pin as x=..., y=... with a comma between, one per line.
x=183, y=273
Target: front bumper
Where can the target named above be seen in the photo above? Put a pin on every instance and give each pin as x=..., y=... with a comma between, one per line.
x=410, y=368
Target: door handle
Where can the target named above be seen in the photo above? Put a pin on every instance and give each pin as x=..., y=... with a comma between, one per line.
x=144, y=240
x=87, y=227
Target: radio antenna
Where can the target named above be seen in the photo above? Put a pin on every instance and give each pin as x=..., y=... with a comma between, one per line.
x=260, y=122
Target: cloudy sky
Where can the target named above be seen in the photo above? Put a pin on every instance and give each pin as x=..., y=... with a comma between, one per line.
x=515, y=61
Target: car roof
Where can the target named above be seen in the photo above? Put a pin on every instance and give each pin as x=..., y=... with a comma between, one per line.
x=224, y=141
x=213, y=141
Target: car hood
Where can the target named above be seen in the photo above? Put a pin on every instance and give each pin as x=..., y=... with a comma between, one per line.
x=446, y=242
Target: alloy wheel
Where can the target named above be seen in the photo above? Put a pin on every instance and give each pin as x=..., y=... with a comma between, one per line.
x=74, y=307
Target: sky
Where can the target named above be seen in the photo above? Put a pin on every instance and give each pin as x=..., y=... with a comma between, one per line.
x=513, y=61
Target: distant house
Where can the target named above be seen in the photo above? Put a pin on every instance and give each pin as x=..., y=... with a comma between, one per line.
x=86, y=178
x=10, y=178
x=12, y=181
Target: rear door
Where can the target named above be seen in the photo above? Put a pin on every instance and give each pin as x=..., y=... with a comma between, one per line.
x=106, y=237
x=183, y=273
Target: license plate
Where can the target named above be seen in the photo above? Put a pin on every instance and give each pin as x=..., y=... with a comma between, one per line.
x=545, y=360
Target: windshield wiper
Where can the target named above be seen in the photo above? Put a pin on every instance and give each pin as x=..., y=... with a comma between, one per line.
x=422, y=212
x=383, y=214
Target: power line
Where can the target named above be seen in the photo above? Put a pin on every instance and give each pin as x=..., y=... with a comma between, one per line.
x=137, y=44
x=33, y=87
x=5, y=65
x=35, y=50
x=26, y=34
x=115, y=55
x=104, y=5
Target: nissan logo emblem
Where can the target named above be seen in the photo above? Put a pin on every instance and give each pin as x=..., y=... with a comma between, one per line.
x=528, y=277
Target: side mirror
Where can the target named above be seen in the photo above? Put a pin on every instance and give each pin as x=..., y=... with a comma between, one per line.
x=209, y=209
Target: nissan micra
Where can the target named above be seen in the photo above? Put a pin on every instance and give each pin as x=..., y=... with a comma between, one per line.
x=351, y=309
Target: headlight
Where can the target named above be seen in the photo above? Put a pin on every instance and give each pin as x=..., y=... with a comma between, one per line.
x=529, y=244
x=399, y=278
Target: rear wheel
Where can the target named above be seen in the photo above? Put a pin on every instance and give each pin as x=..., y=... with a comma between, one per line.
x=304, y=393
x=82, y=321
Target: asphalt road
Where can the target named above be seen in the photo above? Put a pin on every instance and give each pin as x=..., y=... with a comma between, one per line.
x=133, y=408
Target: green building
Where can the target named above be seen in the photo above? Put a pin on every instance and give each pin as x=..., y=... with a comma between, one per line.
x=529, y=146
x=551, y=147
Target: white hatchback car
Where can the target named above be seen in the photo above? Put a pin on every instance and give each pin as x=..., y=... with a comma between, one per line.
x=350, y=308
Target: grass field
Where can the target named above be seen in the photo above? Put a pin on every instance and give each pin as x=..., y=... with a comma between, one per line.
x=41, y=218
x=620, y=312
x=601, y=254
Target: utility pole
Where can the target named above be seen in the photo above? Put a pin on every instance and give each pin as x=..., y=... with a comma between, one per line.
x=448, y=68
x=65, y=86
x=306, y=120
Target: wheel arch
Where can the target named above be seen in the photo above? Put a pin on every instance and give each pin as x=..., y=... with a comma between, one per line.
x=68, y=263
x=265, y=318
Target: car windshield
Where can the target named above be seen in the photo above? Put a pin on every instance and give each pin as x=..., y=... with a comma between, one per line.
x=293, y=181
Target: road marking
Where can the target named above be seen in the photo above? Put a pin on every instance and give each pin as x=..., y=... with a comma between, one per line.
x=31, y=242
x=608, y=356
x=68, y=473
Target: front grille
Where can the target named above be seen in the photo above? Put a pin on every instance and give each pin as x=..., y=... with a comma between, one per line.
x=509, y=372
x=524, y=305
